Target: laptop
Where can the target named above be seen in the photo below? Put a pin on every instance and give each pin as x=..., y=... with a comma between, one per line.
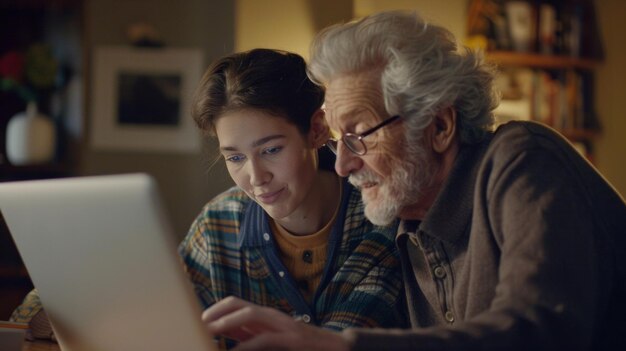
x=103, y=257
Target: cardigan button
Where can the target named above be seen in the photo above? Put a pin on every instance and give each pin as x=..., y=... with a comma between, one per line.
x=266, y=237
x=306, y=318
x=439, y=272
x=449, y=316
x=307, y=256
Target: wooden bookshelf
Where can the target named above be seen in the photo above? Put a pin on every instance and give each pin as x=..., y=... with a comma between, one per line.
x=546, y=75
x=532, y=60
x=570, y=100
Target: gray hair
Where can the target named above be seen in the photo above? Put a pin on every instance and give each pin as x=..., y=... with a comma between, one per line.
x=422, y=71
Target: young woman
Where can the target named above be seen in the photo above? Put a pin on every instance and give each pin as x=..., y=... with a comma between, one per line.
x=291, y=234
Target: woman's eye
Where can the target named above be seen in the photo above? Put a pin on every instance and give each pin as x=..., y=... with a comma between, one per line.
x=234, y=158
x=272, y=150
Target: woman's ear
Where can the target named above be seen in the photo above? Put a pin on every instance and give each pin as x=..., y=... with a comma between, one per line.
x=319, y=132
x=444, y=130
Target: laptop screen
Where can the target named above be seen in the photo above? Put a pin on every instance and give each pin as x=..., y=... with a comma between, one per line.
x=101, y=252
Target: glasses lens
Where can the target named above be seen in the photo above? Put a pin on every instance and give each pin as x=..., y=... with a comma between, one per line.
x=354, y=143
x=332, y=145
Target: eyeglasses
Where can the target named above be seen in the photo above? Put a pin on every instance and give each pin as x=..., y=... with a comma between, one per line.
x=354, y=142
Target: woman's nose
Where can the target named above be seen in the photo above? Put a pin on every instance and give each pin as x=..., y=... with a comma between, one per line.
x=258, y=174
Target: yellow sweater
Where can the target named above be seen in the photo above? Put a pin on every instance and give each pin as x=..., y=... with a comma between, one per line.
x=304, y=256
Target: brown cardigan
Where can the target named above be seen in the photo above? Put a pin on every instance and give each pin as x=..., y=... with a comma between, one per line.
x=524, y=248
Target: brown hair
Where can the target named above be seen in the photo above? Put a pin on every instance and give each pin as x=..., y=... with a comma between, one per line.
x=271, y=80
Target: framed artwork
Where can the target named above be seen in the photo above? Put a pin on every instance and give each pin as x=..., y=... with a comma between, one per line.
x=141, y=99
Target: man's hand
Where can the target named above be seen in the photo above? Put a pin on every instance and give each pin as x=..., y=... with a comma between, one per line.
x=264, y=328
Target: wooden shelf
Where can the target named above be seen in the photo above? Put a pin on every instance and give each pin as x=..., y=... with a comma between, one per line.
x=546, y=62
x=38, y=4
x=511, y=58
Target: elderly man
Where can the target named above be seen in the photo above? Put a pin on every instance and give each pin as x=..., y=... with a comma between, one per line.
x=509, y=239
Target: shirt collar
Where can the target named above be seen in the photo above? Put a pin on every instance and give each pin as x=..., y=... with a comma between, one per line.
x=255, y=227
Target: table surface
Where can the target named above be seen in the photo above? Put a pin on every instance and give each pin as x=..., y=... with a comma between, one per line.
x=40, y=345
x=46, y=345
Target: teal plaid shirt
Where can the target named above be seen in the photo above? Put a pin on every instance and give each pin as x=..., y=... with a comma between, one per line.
x=230, y=250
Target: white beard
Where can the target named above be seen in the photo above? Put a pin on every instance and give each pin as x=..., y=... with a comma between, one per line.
x=404, y=187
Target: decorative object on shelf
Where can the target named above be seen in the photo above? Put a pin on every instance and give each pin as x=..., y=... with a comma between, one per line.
x=31, y=77
x=521, y=24
x=31, y=74
x=142, y=34
x=487, y=26
x=547, y=28
x=30, y=138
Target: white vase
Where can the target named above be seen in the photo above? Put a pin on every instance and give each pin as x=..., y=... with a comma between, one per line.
x=30, y=138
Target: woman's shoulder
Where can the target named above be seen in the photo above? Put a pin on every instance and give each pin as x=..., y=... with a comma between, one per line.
x=224, y=211
x=219, y=220
x=232, y=200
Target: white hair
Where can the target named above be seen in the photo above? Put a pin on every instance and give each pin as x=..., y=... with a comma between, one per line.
x=422, y=71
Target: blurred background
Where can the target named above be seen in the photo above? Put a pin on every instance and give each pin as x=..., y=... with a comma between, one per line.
x=61, y=55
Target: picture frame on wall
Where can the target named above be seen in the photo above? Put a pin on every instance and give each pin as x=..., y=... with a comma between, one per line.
x=141, y=99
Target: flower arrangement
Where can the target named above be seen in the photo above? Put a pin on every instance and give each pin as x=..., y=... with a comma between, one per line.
x=31, y=74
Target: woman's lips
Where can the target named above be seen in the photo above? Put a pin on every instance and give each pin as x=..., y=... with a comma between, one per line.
x=269, y=198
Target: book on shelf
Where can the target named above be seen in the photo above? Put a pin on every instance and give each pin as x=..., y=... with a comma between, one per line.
x=560, y=27
x=558, y=98
x=548, y=27
x=575, y=28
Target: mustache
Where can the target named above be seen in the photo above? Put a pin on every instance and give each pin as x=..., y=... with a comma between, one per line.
x=363, y=177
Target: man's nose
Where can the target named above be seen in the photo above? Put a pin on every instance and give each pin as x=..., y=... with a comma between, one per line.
x=346, y=162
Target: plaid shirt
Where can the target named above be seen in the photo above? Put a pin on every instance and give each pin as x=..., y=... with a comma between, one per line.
x=230, y=250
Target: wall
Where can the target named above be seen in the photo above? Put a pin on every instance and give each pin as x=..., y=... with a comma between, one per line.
x=610, y=93
x=293, y=26
x=285, y=24
x=185, y=178
x=449, y=13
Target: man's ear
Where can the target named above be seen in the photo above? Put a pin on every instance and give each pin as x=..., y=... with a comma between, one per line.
x=319, y=133
x=444, y=134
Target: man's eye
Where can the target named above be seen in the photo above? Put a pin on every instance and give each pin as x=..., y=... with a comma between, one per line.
x=234, y=158
x=272, y=150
